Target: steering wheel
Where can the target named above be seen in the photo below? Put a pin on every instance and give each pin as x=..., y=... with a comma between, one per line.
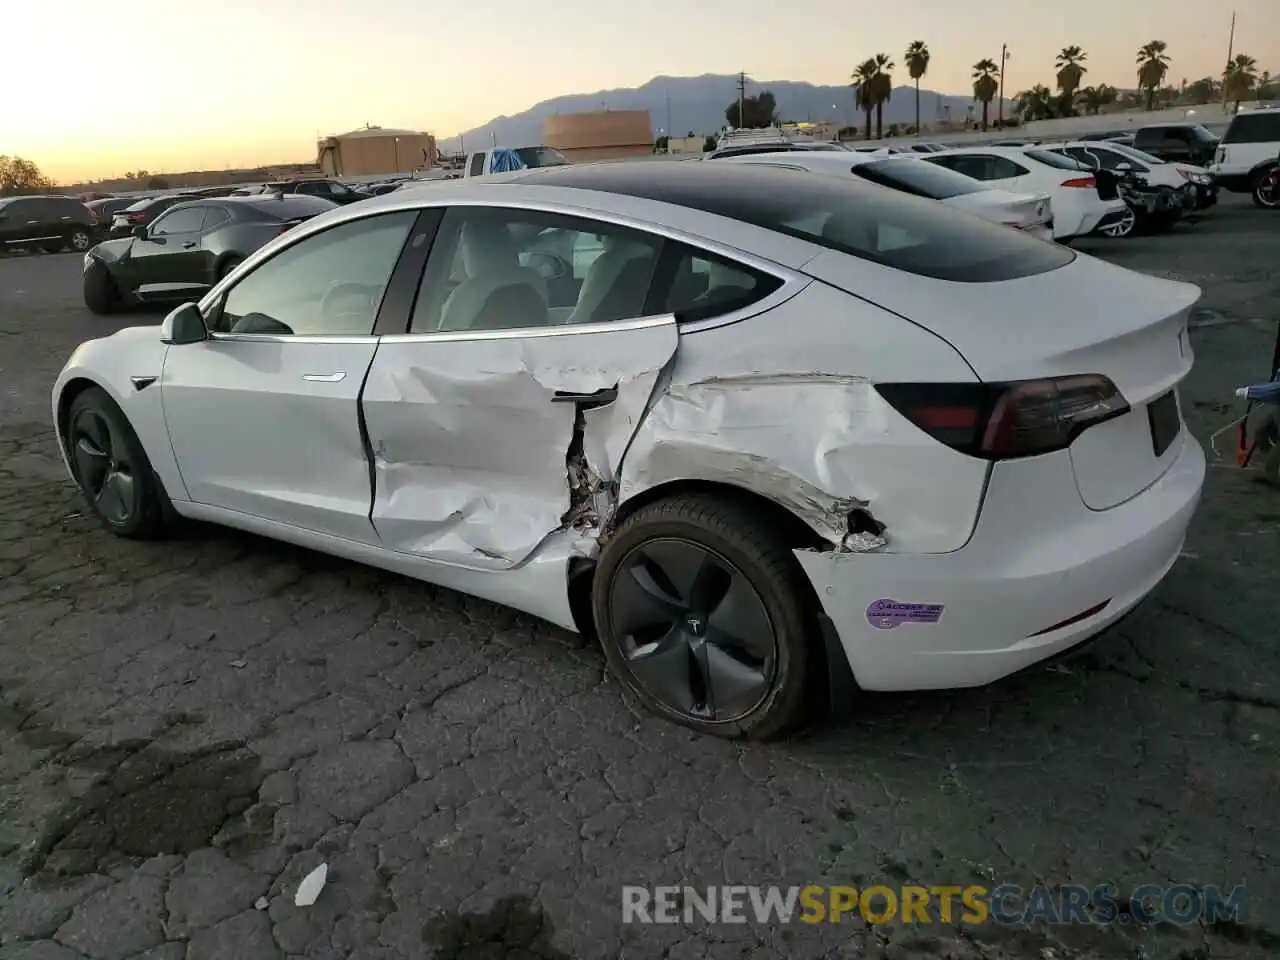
x=548, y=265
x=347, y=305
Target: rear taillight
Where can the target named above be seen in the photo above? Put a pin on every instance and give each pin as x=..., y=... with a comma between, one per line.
x=1082, y=182
x=287, y=226
x=1001, y=421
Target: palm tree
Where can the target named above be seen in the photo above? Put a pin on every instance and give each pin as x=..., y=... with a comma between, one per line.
x=1239, y=78
x=882, y=88
x=1153, y=64
x=1093, y=99
x=1071, y=71
x=1036, y=103
x=917, y=61
x=985, y=85
x=864, y=89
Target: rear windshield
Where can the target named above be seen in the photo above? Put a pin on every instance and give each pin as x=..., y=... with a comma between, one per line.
x=534, y=157
x=292, y=206
x=916, y=176
x=1055, y=160
x=1262, y=126
x=1134, y=153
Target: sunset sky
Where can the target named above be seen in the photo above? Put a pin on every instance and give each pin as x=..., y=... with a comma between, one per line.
x=98, y=88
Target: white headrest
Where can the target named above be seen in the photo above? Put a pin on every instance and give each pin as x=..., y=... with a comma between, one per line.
x=487, y=246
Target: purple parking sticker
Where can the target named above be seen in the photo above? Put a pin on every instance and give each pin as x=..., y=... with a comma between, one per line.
x=887, y=614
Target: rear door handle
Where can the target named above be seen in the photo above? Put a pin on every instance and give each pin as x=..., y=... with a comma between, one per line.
x=596, y=398
x=324, y=377
x=188, y=245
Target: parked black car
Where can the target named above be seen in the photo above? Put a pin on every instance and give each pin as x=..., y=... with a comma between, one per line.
x=188, y=248
x=1190, y=143
x=141, y=212
x=45, y=223
x=104, y=211
x=339, y=193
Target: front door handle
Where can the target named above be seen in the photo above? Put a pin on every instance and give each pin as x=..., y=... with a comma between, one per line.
x=188, y=245
x=324, y=377
x=596, y=398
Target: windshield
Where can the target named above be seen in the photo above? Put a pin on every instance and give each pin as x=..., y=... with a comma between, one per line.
x=918, y=177
x=534, y=157
x=1204, y=134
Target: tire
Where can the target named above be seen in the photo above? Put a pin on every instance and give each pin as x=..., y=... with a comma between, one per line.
x=1265, y=189
x=1123, y=228
x=101, y=445
x=227, y=266
x=101, y=295
x=731, y=547
x=1268, y=441
x=79, y=240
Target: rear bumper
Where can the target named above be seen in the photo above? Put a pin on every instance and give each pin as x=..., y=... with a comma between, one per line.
x=1038, y=559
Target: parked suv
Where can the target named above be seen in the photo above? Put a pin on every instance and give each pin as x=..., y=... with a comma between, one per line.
x=1189, y=143
x=1249, y=151
x=47, y=223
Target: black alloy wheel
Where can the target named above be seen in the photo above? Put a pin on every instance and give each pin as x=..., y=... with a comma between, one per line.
x=693, y=630
x=103, y=467
x=112, y=469
x=707, y=618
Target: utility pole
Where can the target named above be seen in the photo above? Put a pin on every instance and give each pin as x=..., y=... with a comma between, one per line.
x=742, y=97
x=1004, y=58
x=670, y=134
x=1231, y=49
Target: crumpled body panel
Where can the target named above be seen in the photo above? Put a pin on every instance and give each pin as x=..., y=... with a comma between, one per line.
x=476, y=461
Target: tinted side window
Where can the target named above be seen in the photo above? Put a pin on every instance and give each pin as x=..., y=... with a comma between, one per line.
x=1002, y=168
x=182, y=220
x=330, y=284
x=709, y=286
x=975, y=165
x=215, y=217
x=477, y=164
x=1260, y=127
x=496, y=269
x=1151, y=136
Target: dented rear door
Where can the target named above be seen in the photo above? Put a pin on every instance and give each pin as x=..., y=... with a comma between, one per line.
x=485, y=443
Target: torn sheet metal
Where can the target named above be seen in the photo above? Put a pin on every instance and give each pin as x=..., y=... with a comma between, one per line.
x=822, y=445
x=472, y=450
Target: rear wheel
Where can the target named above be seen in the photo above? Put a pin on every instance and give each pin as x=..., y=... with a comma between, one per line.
x=112, y=469
x=228, y=265
x=1266, y=189
x=101, y=295
x=703, y=614
x=1122, y=227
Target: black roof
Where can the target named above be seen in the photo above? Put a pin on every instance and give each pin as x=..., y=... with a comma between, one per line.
x=684, y=184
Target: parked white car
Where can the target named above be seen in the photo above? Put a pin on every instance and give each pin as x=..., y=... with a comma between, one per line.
x=758, y=454
x=1118, y=158
x=1023, y=211
x=1080, y=203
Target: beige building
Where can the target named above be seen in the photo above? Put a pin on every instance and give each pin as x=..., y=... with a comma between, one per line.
x=600, y=135
x=375, y=150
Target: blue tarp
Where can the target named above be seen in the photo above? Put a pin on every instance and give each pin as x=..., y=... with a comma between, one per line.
x=503, y=160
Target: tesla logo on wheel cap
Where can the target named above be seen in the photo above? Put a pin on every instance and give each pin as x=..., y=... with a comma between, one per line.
x=695, y=626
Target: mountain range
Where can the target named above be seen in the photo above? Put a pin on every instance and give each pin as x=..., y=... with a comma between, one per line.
x=682, y=104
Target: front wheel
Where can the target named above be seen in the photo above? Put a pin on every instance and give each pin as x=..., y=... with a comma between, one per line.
x=101, y=295
x=112, y=469
x=1266, y=189
x=704, y=615
x=79, y=240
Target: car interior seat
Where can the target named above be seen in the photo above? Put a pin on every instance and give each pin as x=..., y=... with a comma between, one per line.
x=498, y=293
x=617, y=282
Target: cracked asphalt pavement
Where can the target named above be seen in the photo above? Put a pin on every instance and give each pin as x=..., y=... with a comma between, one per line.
x=188, y=728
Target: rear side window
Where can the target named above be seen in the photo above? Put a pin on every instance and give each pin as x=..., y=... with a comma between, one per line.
x=707, y=286
x=1262, y=126
x=477, y=164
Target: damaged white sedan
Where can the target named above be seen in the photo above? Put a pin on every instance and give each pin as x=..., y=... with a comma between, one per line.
x=770, y=438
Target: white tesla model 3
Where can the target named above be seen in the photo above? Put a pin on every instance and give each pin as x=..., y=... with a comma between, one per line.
x=705, y=412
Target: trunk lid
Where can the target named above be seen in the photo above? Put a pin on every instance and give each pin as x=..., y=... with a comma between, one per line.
x=1019, y=209
x=1086, y=317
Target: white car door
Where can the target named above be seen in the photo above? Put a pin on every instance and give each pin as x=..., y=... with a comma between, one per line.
x=502, y=416
x=264, y=415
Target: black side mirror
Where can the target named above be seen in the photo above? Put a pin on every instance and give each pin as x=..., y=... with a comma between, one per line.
x=140, y=231
x=184, y=325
